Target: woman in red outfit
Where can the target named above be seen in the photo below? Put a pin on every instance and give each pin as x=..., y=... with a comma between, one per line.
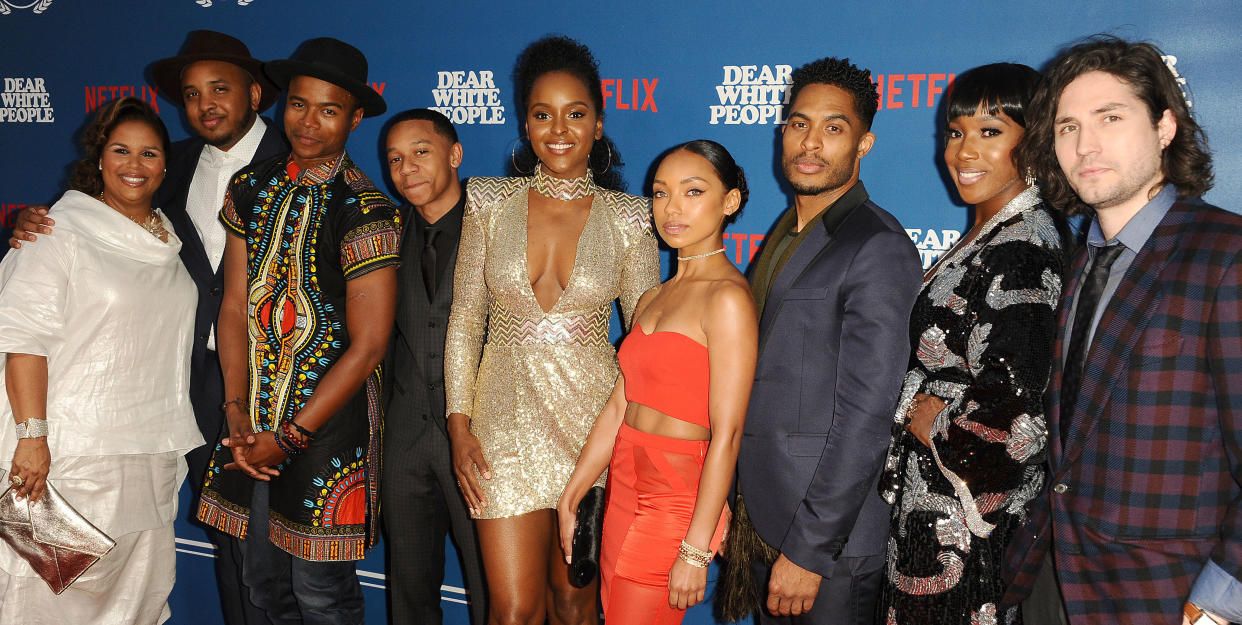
x=670, y=431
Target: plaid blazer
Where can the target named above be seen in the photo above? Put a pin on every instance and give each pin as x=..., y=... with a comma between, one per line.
x=1148, y=485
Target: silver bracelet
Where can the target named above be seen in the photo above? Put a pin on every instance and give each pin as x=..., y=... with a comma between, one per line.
x=32, y=428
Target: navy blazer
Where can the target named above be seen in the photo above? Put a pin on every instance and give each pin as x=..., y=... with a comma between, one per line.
x=171, y=198
x=833, y=348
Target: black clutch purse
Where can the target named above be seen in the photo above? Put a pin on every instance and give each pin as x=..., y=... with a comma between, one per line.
x=584, y=564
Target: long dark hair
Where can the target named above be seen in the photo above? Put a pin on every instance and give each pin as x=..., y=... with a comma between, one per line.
x=562, y=54
x=1186, y=163
x=86, y=176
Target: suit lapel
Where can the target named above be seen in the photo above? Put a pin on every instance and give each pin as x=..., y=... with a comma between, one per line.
x=1058, y=362
x=193, y=255
x=810, y=249
x=1123, y=321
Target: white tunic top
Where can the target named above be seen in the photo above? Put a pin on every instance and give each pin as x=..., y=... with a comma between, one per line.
x=112, y=308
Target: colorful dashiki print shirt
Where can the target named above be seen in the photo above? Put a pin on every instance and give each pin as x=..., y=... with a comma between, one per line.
x=306, y=236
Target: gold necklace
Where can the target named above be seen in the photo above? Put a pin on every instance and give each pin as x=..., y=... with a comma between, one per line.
x=704, y=255
x=153, y=225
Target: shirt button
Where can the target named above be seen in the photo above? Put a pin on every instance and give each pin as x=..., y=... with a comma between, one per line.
x=202, y=337
x=431, y=387
x=215, y=290
x=424, y=417
x=433, y=356
x=1060, y=488
x=431, y=324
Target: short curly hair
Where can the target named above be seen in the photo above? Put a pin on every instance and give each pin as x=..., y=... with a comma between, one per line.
x=1186, y=163
x=843, y=74
x=557, y=53
x=86, y=176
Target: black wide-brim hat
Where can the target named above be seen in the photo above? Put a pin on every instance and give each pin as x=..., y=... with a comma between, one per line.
x=330, y=60
x=209, y=45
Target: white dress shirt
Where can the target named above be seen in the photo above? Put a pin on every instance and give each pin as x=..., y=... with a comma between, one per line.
x=215, y=170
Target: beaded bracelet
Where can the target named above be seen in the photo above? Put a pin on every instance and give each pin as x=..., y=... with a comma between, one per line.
x=296, y=441
x=285, y=445
x=693, y=555
x=307, y=434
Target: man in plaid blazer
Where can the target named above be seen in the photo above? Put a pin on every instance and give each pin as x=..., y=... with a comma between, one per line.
x=1142, y=519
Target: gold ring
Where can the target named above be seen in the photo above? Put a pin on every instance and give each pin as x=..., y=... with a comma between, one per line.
x=16, y=480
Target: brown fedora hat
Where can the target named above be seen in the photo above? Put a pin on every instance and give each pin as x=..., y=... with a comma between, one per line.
x=330, y=60
x=209, y=45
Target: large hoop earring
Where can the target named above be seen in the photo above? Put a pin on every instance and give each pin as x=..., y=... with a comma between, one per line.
x=607, y=165
x=513, y=158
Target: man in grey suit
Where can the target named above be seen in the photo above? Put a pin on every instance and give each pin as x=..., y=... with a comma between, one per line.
x=419, y=495
x=835, y=283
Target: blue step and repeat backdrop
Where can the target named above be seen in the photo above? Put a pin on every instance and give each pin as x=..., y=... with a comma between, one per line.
x=671, y=72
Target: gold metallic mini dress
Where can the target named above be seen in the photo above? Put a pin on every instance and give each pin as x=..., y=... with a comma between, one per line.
x=533, y=382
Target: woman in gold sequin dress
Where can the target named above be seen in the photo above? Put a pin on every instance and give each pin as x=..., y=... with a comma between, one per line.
x=542, y=258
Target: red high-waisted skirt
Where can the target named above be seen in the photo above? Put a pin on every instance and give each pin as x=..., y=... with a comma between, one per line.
x=653, y=482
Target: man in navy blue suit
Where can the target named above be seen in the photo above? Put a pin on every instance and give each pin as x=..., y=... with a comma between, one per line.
x=835, y=283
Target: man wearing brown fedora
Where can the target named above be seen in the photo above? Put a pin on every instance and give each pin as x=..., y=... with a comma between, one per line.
x=309, y=296
x=222, y=89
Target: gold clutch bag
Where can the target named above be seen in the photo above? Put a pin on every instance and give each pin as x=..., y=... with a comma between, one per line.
x=59, y=543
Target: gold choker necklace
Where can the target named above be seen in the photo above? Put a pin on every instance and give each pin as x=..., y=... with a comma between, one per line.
x=704, y=255
x=562, y=189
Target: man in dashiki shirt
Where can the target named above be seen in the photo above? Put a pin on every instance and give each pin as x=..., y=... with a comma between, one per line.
x=310, y=290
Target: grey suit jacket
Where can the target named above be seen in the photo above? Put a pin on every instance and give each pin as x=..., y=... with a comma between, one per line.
x=833, y=348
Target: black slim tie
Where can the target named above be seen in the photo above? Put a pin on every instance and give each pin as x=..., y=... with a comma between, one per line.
x=1088, y=301
x=428, y=260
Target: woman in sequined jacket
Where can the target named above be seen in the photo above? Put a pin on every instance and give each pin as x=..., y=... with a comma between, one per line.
x=969, y=434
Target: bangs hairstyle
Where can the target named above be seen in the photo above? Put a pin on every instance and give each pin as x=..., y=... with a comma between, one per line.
x=996, y=88
x=727, y=169
x=1186, y=163
x=558, y=53
x=86, y=176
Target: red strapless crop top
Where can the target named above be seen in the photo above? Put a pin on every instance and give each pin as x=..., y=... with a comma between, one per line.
x=666, y=371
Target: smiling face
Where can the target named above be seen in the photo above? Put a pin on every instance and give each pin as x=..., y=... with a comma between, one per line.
x=823, y=141
x=1107, y=145
x=978, y=151
x=562, y=124
x=318, y=119
x=221, y=101
x=690, y=202
x=132, y=166
x=423, y=164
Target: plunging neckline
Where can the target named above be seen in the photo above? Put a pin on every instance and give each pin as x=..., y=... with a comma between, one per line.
x=573, y=271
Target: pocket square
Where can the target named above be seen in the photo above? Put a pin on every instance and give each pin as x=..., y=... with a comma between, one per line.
x=59, y=543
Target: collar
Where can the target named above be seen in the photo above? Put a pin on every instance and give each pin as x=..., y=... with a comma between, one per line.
x=840, y=209
x=1138, y=230
x=242, y=152
x=319, y=174
x=449, y=224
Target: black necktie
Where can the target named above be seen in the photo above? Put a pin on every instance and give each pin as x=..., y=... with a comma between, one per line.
x=429, y=260
x=1088, y=301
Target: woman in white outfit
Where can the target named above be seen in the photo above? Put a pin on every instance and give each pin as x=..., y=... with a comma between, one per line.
x=95, y=332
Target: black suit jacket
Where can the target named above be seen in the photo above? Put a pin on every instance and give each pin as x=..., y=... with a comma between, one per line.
x=833, y=348
x=205, y=389
x=415, y=366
